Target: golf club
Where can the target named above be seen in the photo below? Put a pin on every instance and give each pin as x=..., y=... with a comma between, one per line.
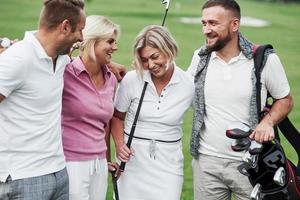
x=167, y=2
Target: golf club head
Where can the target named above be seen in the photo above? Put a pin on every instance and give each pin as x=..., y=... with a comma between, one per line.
x=238, y=130
x=255, y=147
x=280, y=176
x=5, y=42
x=255, y=194
x=250, y=159
x=167, y=2
x=240, y=144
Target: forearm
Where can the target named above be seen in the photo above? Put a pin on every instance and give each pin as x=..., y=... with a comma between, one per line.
x=279, y=110
x=107, y=141
x=117, y=131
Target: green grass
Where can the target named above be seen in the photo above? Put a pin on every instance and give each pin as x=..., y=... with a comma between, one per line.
x=17, y=16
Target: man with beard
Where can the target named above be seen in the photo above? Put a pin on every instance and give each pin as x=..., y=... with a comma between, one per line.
x=32, y=164
x=225, y=93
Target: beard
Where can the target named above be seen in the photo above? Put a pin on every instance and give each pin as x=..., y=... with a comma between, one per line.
x=219, y=44
x=65, y=49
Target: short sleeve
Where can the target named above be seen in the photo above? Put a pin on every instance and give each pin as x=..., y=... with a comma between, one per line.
x=275, y=79
x=124, y=93
x=194, y=63
x=12, y=71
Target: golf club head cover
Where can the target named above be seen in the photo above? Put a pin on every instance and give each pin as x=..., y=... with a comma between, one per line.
x=241, y=144
x=238, y=130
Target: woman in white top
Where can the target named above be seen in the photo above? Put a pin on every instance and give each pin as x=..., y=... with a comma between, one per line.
x=155, y=171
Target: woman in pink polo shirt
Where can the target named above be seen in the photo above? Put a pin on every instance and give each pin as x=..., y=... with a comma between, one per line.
x=87, y=108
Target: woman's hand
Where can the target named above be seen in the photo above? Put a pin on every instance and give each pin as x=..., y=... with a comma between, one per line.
x=113, y=167
x=124, y=153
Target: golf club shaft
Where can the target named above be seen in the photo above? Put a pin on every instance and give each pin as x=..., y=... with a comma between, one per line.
x=165, y=16
x=115, y=186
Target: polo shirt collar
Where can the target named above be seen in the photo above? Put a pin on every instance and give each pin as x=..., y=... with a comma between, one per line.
x=79, y=67
x=241, y=56
x=39, y=50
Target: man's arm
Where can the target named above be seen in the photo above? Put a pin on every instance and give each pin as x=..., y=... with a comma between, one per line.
x=280, y=109
x=1, y=98
x=118, y=70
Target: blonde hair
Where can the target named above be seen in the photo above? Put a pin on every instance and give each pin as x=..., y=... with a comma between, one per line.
x=97, y=28
x=157, y=37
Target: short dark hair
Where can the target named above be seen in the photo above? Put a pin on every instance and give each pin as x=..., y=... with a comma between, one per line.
x=231, y=5
x=56, y=11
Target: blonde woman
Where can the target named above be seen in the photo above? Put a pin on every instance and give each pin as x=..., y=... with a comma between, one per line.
x=155, y=171
x=87, y=107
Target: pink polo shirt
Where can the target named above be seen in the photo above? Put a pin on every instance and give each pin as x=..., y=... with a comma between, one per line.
x=86, y=111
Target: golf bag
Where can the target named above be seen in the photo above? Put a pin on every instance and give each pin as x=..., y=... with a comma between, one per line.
x=271, y=174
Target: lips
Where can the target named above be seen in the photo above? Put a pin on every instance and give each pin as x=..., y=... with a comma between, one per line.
x=155, y=71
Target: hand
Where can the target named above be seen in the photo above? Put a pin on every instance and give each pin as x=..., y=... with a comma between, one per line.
x=2, y=49
x=263, y=132
x=10, y=42
x=114, y=167
x=118, y=70
x=124, y=153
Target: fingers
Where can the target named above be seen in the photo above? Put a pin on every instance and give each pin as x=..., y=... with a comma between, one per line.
x=114, y=169
x=263, y=135
x=124, y=153
x=112, y=166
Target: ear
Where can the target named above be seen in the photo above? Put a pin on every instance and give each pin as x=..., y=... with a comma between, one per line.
x=65, y=27
x=235, y=25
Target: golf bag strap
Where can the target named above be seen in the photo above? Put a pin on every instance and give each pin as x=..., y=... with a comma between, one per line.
x=292, y=135
x=258, y=54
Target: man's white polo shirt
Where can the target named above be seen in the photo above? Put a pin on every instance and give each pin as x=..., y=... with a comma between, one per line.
x=30, y=122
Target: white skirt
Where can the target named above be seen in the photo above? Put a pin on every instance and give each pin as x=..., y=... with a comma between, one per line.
x=155, y=172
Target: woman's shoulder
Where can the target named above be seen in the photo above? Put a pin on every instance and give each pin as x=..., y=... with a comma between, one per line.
x=184, y=76
x=131, y=76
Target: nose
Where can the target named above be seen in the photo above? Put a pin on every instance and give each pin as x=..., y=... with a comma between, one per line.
x=80, y=39
x=150, y=64
x=206, y=29
x=115, y=47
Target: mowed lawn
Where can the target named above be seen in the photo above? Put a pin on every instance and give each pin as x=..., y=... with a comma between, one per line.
x=16, y=16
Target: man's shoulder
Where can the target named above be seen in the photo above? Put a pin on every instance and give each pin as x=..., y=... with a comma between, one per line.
x=17, y=53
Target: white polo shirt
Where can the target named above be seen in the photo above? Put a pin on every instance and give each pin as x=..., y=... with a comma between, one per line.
x=161, y=116
x=227, y=91
x=30, y=122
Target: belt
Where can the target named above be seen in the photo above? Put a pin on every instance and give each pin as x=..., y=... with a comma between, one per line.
x=151, y=139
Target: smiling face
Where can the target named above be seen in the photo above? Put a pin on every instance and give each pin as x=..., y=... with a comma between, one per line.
x=219, y=27
x=154, y=61
x=105, y=48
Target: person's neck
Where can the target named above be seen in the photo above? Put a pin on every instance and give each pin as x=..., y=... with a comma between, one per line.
x=47, y=40
x=230, y=50
x=161, y=82
x=93, y=68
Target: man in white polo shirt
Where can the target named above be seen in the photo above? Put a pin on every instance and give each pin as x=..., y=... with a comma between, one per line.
x=32, y=164
x=225, y=93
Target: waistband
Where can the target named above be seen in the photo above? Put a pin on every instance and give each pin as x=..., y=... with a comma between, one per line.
x=157, y=140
